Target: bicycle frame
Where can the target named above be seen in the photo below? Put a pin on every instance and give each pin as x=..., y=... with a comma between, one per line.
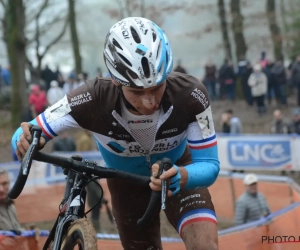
x=79, y=174
x=72, y=209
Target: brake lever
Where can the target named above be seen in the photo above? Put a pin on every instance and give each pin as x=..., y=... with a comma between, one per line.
x=34, y=142
x=166, y=164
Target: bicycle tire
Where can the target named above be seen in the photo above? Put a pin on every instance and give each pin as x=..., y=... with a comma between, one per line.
x=81, y=232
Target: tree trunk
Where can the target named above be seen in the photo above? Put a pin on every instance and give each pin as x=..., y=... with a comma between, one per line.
x=74, y=37
x=238, y=29
x=274, y=29
x=16, y=47
x=223, y=24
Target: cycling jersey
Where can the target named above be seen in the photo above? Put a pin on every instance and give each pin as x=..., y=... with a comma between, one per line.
x=184, y=129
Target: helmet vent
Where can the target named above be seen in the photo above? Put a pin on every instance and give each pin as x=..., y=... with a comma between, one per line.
x=145, y=65
x=158, y=49
x=135, y=35
x=153, y=35
x=132, y=74
x=167, y=58
x=124, y=59
x=114, y=41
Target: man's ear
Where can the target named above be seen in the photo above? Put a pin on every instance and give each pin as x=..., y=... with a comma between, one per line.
x=115, y=83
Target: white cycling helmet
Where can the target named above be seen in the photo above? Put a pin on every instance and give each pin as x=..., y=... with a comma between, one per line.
x=137, y=53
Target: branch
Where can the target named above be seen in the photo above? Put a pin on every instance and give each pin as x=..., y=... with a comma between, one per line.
x=121, y=9
x=58, y=37
x=46, y=27
x=37, y=14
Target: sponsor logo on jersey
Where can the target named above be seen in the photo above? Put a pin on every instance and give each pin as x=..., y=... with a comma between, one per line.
x=80, y=99
x=141, y=121
x=200, y=96
x=159, y=147
x=170, y=131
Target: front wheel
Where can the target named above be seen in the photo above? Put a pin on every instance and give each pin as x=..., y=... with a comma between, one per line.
x=81, y=235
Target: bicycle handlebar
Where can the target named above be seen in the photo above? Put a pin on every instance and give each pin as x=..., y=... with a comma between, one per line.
x=84, y=167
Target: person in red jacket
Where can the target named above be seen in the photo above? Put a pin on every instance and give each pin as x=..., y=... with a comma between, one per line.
x=38, y=99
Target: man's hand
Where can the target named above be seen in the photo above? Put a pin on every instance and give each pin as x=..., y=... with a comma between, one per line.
x=155, y=183
x=23, y=143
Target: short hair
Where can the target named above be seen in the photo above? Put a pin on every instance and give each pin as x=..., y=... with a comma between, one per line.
x=3, y=171
x=229, y=111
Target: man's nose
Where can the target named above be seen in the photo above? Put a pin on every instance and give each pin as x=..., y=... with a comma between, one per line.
x=148, y=96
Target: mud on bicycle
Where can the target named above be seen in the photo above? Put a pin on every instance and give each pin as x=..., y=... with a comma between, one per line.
x=72, y=228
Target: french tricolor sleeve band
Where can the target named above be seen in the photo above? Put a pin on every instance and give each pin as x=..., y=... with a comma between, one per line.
x=43, y=125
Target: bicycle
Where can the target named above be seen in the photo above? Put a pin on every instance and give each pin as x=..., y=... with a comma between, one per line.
x=72, y=226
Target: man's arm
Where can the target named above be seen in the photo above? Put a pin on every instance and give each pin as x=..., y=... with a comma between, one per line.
x=57, y=118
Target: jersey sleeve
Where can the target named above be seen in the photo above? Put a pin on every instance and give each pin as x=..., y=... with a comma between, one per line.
x=202, y=141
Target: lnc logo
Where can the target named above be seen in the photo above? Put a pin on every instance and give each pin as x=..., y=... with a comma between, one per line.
x=258, y=153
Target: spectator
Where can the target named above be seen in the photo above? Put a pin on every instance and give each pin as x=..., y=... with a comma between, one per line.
x=295, y=125
x=55, y=93
x=59, y=78
x=295, y=77
x=8, y=215
x=180, y=68
x=279, y=125
x=48, y=75
x=234, y=123
x=225, y=123
x=259, y=83
x=38, y=99
x=251, y=205
x=263, y=59
x=210, y=79
x=227, y=80
x=64, y=143
x=244, y=75
x=278, y=76
x=69, y=85
x=84, y=141
x=6, y=76
x=271, y=87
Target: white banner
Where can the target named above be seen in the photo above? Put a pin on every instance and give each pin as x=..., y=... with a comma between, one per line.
x=259, y=152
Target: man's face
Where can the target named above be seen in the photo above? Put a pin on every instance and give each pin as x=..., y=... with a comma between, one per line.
x=145, y=101
x=252, y=189
x=4, y=186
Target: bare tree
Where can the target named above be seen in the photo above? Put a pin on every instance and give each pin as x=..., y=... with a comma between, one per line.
x=41, y=28
x=127, y=8
x=14, y=25
x=74, y=37
x=237, y=27
x=274, y=29
x=224, y=29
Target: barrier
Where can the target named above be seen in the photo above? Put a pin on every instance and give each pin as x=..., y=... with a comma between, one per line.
x=282, y=194
x=279, y=230
x=276, y=229
x=236, y=152
x=32, y=240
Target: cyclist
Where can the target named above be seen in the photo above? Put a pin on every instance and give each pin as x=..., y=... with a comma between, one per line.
x=142, y=114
